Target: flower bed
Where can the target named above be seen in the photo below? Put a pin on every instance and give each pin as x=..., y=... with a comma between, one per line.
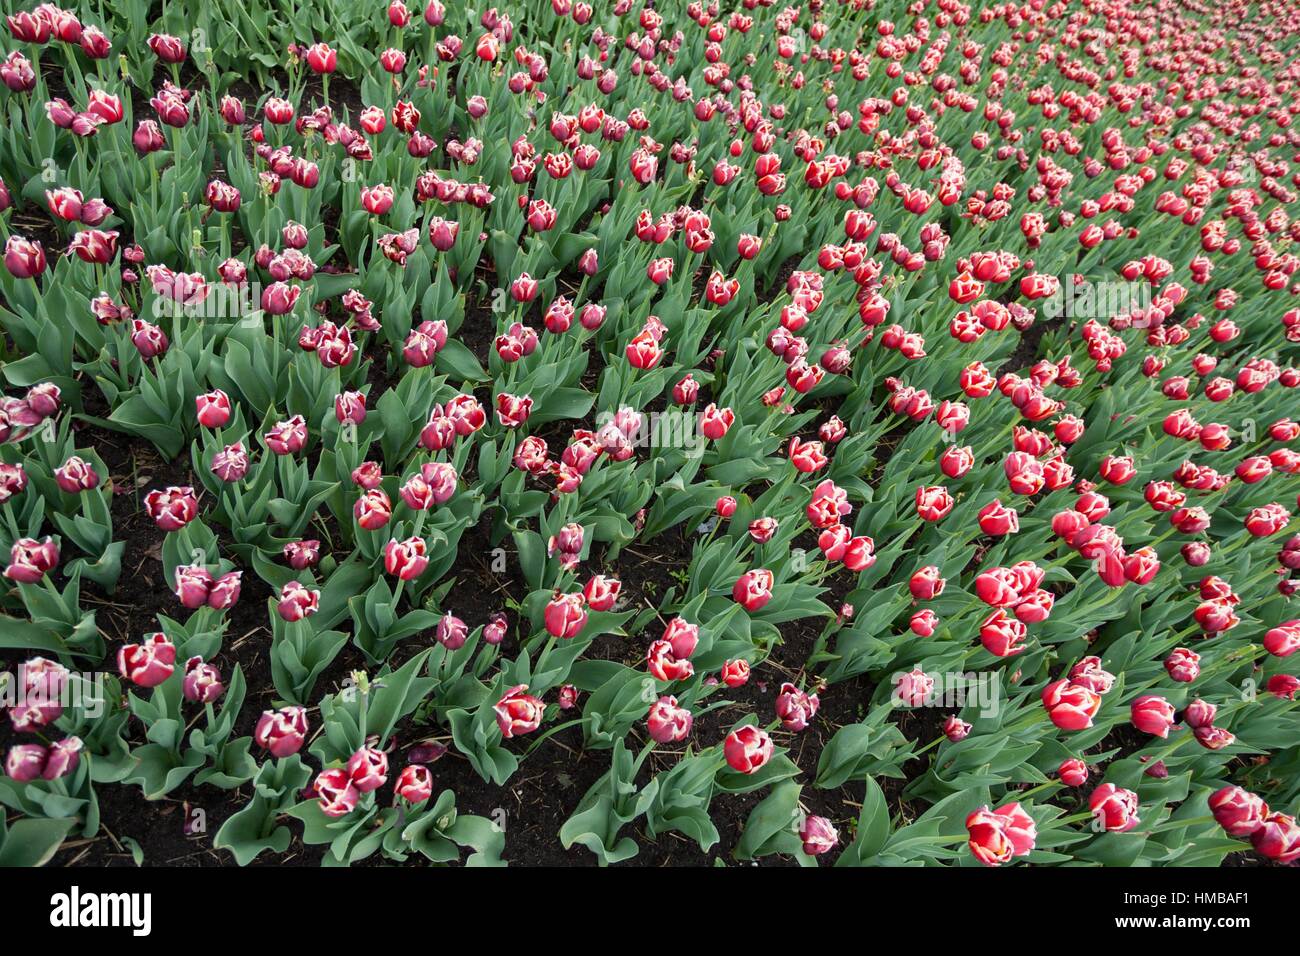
x=854, y=433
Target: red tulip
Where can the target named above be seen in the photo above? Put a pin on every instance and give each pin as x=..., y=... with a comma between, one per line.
x=517, y=712
x=747, y=749
x=336, y=794
x=566, y=615
x=281, y=732
x=753, y=589
x=1070, y=705
x=998, y=836
x=148, y=663
x=1115, y=808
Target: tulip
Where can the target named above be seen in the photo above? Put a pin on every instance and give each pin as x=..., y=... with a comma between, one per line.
x=212, y=409
x=933, y=502
x=1183, y=664
x=42, y=684
x=997, y=520
x=1002, y=635
x=193, y=583
x=25, y=762
x=414, y=784
x=513, y=410
x=231, y=463
x=31, y=560
x=998, y=836
x=913, y=688
x=1278, y=838
x=795, y=708
x=494, y=631
x=753, y=590
x=601, y=592
x=297, y=602
x=644, y=352
x=451, y=632
x=1073, y=772
x=172, y=508
x=926, y=584
x=373, y=509
x=1115, y=808
x=62, y=758
x=148, y=138
x=202, y=682
x=566, y=615
x=735, y=673
x=13, y=480
x=25, y=259
x=818, y=835
x=1213, y=738
x=747, y=749
x=1070, y=705
x=517, y=712
x=167, y=48
x=281, y=732
x=1280, y=641
x=1089, y=673
x=1283, y=686
x=149, y=340
x=225, y=591
x=1152, y=715
x=667, y=722
x=337, y=796
x=367, y=769
x=148, y=663
x=407, y=559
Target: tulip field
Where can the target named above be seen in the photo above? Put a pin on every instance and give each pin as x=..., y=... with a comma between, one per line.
x=649, y=432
